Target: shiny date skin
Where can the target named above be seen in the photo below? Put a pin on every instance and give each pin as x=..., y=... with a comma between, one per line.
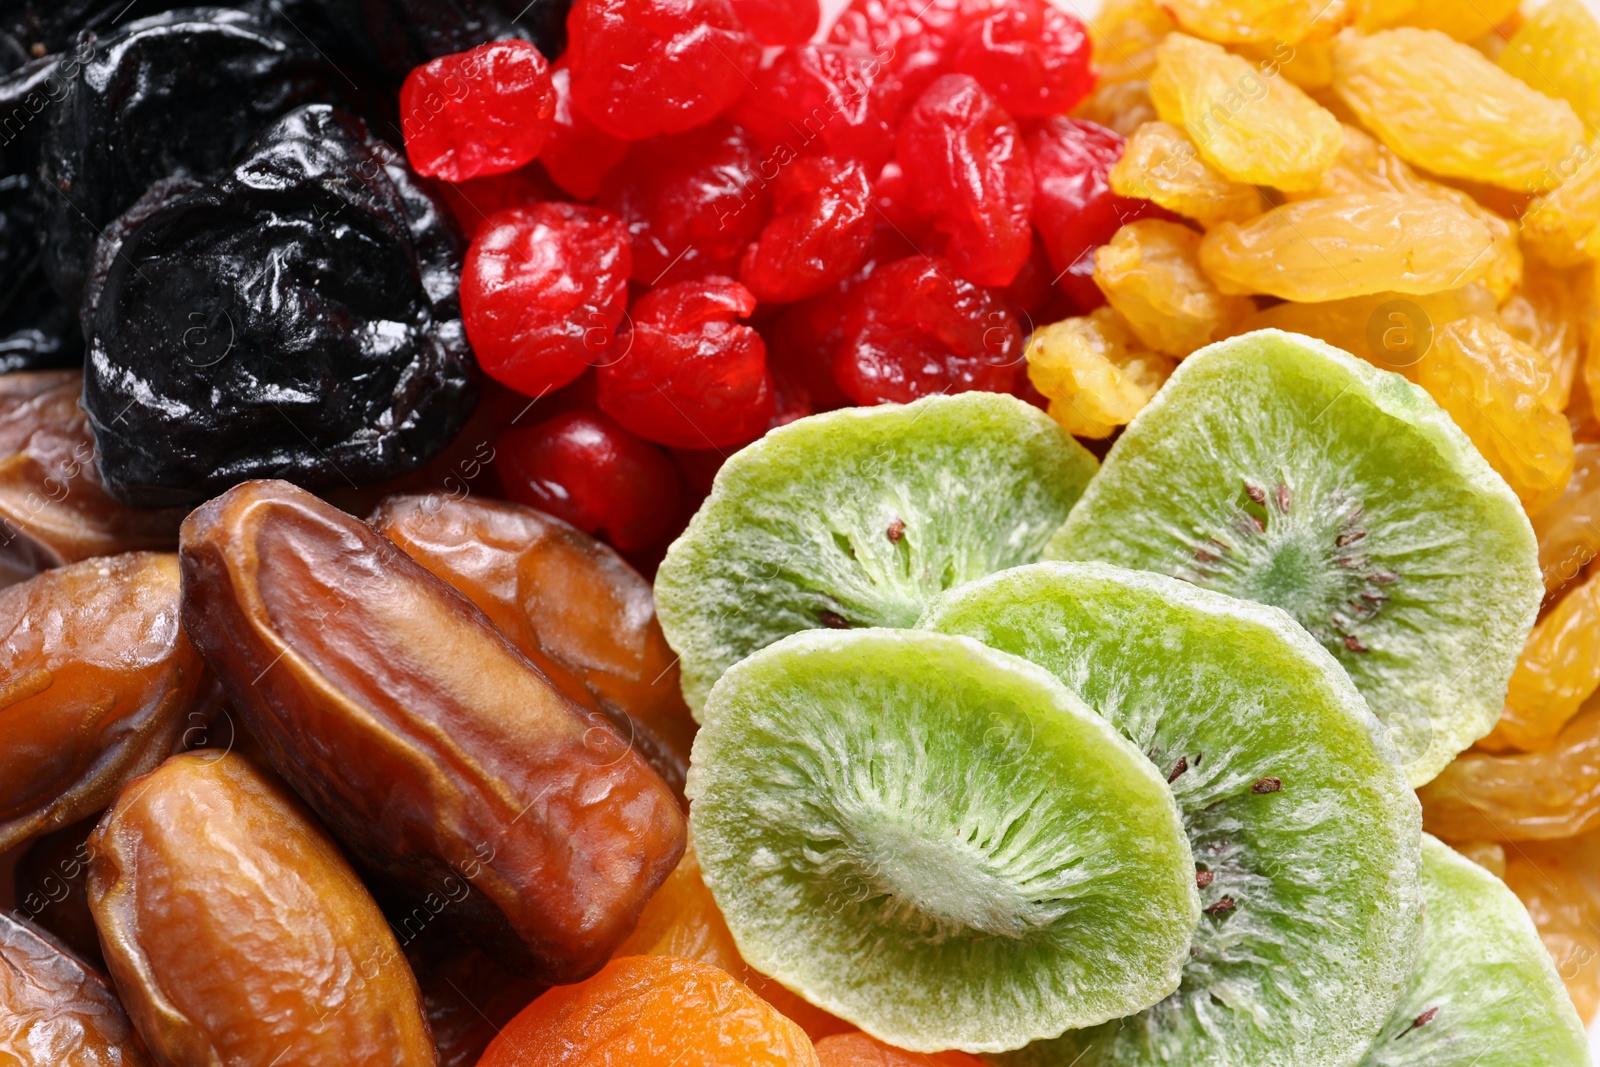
x=431, y=747
x=51, y=882
x=252, y=941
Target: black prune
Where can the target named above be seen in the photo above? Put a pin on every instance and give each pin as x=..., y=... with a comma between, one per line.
x=176, y=94
x=401, y=34
x=296, y=317
x=41, y=27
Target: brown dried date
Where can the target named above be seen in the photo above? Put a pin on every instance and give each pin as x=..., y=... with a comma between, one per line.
x=468, y=996
x=430, y=746
x=237, y=934
x=97, y=683
x=569, y=603
x=51, y=887
x=57, y=1010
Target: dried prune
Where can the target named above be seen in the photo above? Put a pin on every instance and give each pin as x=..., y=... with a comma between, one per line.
x=99, y=680
x=252, y=942
x=57, y=1009
x=51, y=881
x=41, y=27
x=398, y=35
x=429, y=746
x=297, y=317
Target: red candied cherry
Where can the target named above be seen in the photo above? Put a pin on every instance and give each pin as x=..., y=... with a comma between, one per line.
x=1032, y=56
x=915, y=37
x=689, y=375
x=641, y=68
x=543, y=291
x=577, y=154
x=585, y=469
x=1075, y=210
x=824, y=99
x=914, y=329
x=486, y=111
x=691, y=203
x=801, y=343
x=779, y=22
x=967, y=170
x=819, y=234
x=473, y=202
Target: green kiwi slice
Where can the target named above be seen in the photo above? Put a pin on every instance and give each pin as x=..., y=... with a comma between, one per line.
x=1302, y=826
x=857, y=518
x=1485, y=992
x=937, y=841
x=1276, y=468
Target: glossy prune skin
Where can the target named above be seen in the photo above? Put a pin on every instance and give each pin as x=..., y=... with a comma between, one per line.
x=569, y=603
x=44, y=27
x=296, y=317
x=55, y=1009
x=431, y=748
x=52, y=889
x=99, y=681
x=250, y=941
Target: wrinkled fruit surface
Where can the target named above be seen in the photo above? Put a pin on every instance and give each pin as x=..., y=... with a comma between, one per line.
x=56, y=1009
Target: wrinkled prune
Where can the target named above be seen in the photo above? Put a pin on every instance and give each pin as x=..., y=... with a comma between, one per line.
x=433, y=749
x=296, y=317
x=42, y=27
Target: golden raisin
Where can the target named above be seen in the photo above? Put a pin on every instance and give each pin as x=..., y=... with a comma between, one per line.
x=1465, y=20
x=1308, y=64
x=1124, y=38
x=1557, y=52
x=1444, y=107
x=1121, y=106
x=1550, y=313
x=1255, y=21
x=1345, y=246
x=1252, y=126
x=1556, y=881
x=1094, y=372
x=1490, y=855
x=1562, y=226
x=1159, y=163
x=1558, y=671
x=1569, y=529
x=1504, y=396
x=1150, y=273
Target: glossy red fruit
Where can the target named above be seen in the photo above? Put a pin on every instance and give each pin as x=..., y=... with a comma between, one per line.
x=691, y=203
x=779, y=22
x=1074, y=209
x=472, y=202
x=914, y=329
x=543, y=291
x=824, y=99
x=474, y=113
x=584, y=468
x=577, y=154
x=819, y=234
x=915, y=37
x=1031, y=56
x=801, y=344
x=689, y=374
x=891, y=197
x=641, y=68
x=967, y=169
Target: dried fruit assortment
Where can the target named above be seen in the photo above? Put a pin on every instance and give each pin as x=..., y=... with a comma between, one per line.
x=886, y=533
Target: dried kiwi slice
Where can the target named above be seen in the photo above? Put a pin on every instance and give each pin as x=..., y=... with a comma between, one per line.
x=1485, y=992
x=1279, y=469
x=858, y=518
x=1297, y=809
x=937, y=841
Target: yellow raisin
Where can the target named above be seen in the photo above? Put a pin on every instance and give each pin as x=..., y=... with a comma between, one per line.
x=1343, y=246
x=1150, y=272
x=1094, y=372
x=1557, y=51
x=1161, y=164
x=1389, y=330
x=1556, y=881
x=1251, y=126
x=1256, y=21
x=1122, y=106
x=1444, y=107
x=1465, y=20
x=1550, y=313
x=1124, y=38
x=1569, y=529
x=1562, y=226
x=1558, y=671
x=1308, y=64
x=1503, y=394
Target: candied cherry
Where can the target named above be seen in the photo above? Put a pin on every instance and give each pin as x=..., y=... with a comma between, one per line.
x=577, y=154
x=641, y=68
x=474, y=113
x=543, y=291
x=801, y=344
x=967, y=169
x=779, y=22
x=473, y=202
x=824, y=99
x=1032, y=56
x=583, y=468
x=691, y=202
x=689, y=375
x=818, y=235
x=915, y=37
x=1074, y=209
x=914, y=329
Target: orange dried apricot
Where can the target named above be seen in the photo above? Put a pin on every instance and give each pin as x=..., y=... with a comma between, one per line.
x=1505, y=397
x=859, y=1050
x=1150, y=273
x=1569, y=529
x=1550, y=313
x=1444, y=107
x=1556, y=881
x=651, y=1011
x=1557, y=52
x=1255, y=21
x=1558, y=671
x=1094, y=372
x=1160, y=164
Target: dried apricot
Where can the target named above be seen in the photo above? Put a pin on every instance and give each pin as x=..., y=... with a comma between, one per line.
x=1556, y=881
x=1558, y=671
x=1569, y=529
x=1505, y=397
x=1444, y=107
x=1251, y=126
x=1557, y=51
x=1255, y=21
x=1343, y=246
x=1562, y=226
x=1094, y=372
x=859, y=1050
x=1550, y=313
x=1161, y=164
x=1150, y=273
x=651, y=1011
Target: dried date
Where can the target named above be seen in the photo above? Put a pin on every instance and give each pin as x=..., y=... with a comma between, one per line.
x=55, y=1009
x=51, y=886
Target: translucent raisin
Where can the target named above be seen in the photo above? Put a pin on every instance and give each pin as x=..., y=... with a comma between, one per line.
x=1124, y=38
x=1550, y=313
x=1161, y=164
x=818, y=235
x=474, y=113
x=1555, y=880
x=1119, y=106
x=1562, y=226
x=1465, y=20
x=1557, y=52
x=1150, y=272
x=1569, y=529
x=1094, y=372
x=1250, y=21
x=1558, y=671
